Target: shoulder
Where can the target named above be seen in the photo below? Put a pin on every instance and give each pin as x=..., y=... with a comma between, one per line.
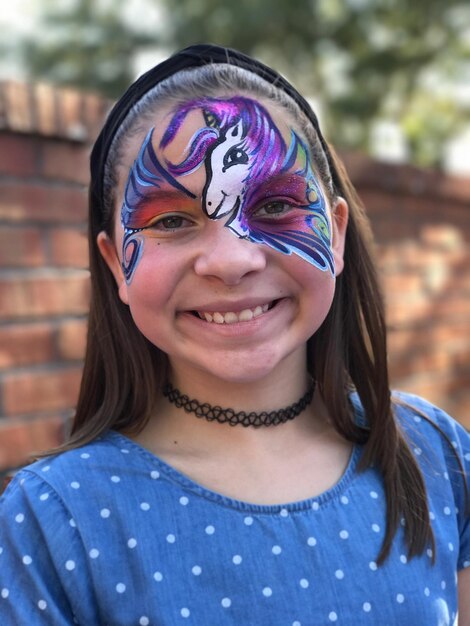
x=57, y=469
x=441, y=446
x=422, y=420
x=64, y=476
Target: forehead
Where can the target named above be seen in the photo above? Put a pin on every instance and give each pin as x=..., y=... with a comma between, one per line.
x=197, y=117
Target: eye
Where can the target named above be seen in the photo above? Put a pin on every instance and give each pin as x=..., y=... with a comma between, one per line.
x=235, y=156
x=171, y=223
x=273, y=209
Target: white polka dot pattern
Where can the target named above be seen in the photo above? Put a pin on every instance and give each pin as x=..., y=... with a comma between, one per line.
x=190, y=553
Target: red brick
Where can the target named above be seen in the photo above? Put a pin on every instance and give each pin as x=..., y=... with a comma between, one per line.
x=402, y=285
x=71, y=113
x=69, y=248
x=452, y=306
x=433, y=360
x=403, y=313
x=21, y=439
x=19, y=112
x=433, y=334
x=408, y=255
x=443, y=236
x=94, y=110
x=21, y=247
x=46, y=295
x=65, y=161
x=25, y=344
x=33, y=392
x=20, y=203
x=72, y=339
x=45, y=98
x=392, y=229
x=17, y=155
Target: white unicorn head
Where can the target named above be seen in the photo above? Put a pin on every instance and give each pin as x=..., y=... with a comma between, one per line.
x=227, y=167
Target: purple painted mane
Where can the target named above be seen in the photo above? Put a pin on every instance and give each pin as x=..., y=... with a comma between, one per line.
x=240, y=143
x=241, y=148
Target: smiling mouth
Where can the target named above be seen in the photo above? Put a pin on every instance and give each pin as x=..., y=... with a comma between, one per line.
x=232, y=317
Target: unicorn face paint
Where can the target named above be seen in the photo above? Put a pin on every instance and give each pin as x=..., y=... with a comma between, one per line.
x=248, y=164
x=223, y=191
x=242, y=150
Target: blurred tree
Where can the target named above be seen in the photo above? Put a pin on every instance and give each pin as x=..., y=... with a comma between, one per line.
x=361, y=61
x=85, y=43
x=365, y=61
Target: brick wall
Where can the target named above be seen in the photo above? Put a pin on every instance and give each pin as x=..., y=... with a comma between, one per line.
x=421, y=223
x=45, y=134
x=420, y=220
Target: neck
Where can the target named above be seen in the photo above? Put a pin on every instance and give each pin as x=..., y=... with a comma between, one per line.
x=173, y=431
x=227, y=415
x=282, y=387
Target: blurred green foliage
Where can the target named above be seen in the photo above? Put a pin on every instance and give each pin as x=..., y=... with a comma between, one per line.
x=363, y=61
x=86, y=44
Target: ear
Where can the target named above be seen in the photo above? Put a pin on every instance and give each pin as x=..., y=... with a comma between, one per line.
x=339, y=216
x=108, y=252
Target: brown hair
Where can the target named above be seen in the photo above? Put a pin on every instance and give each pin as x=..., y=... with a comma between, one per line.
x=123, y=370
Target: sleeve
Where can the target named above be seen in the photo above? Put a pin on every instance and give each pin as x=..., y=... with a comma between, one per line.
x=37, y=538
x=442, y=446
x=457, y=454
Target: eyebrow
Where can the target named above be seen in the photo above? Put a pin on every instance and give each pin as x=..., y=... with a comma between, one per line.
x=147, y=173
x=155, y=202
x=156, y=194
x=278, y=184
x=159, y=169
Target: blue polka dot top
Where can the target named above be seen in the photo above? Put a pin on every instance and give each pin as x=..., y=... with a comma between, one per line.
x=108, y=534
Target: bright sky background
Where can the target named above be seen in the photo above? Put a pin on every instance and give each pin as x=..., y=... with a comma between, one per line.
x=19, y=17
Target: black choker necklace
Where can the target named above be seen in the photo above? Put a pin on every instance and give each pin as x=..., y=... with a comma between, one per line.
x=229, y=416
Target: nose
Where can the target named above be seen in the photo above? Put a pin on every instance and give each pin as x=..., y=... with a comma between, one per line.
x=228, y=257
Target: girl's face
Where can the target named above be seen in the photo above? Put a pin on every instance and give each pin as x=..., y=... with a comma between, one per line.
x=226, y=248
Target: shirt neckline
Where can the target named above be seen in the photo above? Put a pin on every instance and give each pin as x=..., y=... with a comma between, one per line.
x=171, y=473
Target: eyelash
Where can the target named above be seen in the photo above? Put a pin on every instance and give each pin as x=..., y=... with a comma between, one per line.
x=159, y=224
x=286, y=207
x=184, y=222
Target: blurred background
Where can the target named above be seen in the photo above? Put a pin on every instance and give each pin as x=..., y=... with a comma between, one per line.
x=390, y=82
x=386, y=76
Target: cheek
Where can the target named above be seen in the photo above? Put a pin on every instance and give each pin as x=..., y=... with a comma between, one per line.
x=152, y=282
x=317, y=290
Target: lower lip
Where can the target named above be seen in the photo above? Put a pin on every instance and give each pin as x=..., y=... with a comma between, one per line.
x=239, y=329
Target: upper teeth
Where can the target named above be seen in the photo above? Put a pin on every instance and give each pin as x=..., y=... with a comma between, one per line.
x=231, y=318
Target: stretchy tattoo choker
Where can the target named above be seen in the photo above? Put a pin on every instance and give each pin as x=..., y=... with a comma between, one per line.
x=229, y=416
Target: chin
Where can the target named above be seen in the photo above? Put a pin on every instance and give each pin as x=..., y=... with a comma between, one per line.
x=239, y=368
x=244, y=377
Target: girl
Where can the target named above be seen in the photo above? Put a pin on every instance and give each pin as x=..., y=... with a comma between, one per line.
x=236, y=457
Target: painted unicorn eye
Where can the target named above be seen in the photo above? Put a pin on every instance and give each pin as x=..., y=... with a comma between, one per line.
x=235, y=156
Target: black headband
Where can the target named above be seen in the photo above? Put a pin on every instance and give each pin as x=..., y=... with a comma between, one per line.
x=191, y=57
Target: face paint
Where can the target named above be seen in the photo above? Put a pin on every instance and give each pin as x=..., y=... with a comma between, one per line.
x=146, y=175
x=267, y=190
x=246, y=159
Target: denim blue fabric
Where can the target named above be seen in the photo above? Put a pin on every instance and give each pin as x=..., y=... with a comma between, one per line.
x=110, y=534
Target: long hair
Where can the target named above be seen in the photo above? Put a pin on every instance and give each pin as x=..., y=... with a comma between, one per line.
x=123, y=370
